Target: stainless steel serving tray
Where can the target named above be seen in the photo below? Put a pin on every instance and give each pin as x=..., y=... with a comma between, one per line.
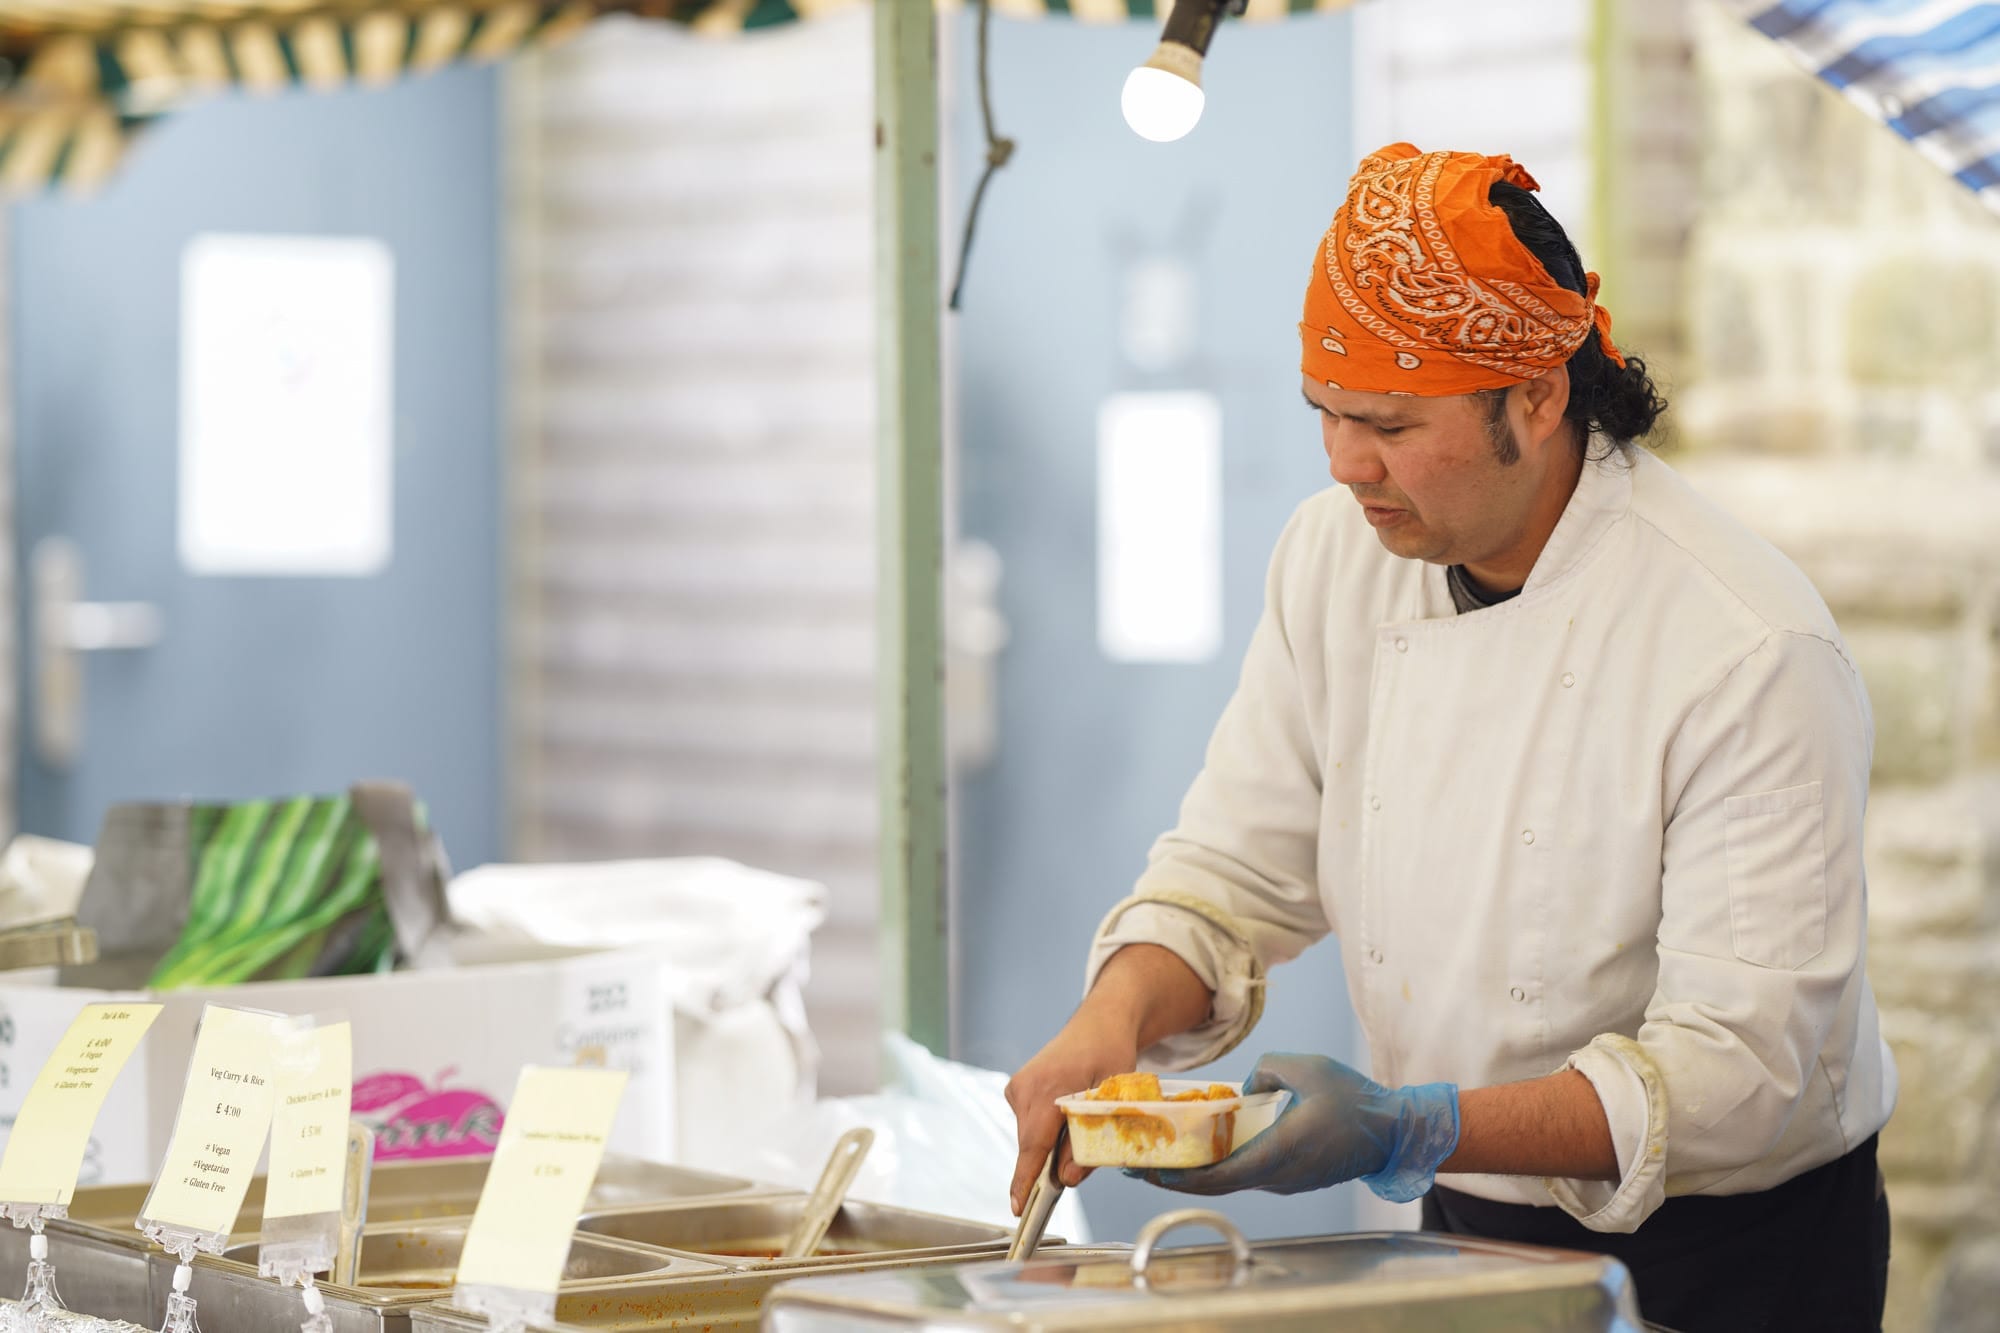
x=96, y=1272
x=439, y=1188
x=1385, y=1282
x=101, y=1260
x=748, y=1233
x=405, y=1258
x=403, y=1266
x=733, y=1300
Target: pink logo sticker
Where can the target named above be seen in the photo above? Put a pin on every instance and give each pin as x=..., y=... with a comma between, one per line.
x=413, y=1121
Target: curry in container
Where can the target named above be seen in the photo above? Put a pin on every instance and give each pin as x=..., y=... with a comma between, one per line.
x=1142, y=1121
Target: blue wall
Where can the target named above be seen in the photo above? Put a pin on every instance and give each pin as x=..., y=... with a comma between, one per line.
x=264, y=686
x=1094, y=756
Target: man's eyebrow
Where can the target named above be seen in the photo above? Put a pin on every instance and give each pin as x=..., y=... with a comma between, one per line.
x=1378, y=420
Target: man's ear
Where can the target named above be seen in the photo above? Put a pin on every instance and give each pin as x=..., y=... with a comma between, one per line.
x=1543, y=401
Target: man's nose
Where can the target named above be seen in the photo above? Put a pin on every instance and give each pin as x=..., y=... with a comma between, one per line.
x=1351, y=454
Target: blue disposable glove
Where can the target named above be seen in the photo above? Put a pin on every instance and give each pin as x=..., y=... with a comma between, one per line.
x=1339, y=1126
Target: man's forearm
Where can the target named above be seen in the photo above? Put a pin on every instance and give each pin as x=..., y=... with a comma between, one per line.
x=1553, y=1126
x=1149, y=987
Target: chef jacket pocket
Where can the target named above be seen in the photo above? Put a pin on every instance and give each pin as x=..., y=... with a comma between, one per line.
x=1777, y=875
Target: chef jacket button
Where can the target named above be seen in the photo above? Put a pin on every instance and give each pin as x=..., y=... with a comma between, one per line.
x=1375, y=956
x=1520, y=996
x=1402, y=645
x=1374, y=802
x=1568, y=680
x=1528, y=836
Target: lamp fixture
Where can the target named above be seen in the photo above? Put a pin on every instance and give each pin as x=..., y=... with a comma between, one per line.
x=1163, y=100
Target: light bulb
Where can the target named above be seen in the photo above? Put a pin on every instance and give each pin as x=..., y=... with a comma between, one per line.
x=1163, y=98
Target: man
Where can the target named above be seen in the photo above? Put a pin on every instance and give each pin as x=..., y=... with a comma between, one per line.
x=1572, y=763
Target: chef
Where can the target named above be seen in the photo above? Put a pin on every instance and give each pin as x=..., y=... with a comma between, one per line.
x=1572, y=764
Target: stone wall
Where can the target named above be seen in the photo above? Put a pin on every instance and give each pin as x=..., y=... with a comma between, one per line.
x=1820, y=303
x=1647, y=154
x=1839, y=386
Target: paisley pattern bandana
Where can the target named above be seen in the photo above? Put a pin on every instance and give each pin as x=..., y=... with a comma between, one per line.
x=1421, y=288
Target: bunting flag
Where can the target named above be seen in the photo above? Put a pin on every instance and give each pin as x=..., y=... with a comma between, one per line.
x=78, y=77
x=1928, y=69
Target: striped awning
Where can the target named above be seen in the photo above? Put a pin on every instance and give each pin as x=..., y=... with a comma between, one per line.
x=78, y=76
x=1117, y=11
x=1928, y=69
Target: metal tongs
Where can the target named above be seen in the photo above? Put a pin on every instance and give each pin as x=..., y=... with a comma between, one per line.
x=1042, y=1197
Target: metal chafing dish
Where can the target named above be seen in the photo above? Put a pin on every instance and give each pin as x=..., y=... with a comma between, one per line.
x=439, y=1188
x=750, y=1232
x=403, y=1258
x=102, y=1262
x=1384, y=1282
x=403, y=1266
x=733, y=1300
x=98, y=1272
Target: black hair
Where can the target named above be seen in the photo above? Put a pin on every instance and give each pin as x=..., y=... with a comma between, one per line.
x=1620, y=403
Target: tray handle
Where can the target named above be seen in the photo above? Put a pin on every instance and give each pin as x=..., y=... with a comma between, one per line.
x=1156, y=1230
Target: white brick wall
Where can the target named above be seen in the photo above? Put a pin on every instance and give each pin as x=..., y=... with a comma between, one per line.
x=12, y=659
x=1488, y=76
x=692, y=657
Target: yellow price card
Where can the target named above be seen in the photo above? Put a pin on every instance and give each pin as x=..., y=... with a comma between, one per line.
x=315, y=1086
x=225, y=1114
x=52, y=1131
x=543, y=1166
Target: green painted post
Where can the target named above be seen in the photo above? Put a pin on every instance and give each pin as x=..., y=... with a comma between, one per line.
x=1605, y=229
x=910, y=454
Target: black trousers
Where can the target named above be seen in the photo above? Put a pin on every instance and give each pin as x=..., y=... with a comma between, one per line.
x=1810, y=1254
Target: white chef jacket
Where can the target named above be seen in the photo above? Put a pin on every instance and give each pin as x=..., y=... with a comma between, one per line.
x=1613, y=823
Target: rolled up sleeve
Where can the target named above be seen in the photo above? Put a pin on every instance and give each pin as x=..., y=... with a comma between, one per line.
x=1233, y=889
x=1209, y=943
x=1762, y=930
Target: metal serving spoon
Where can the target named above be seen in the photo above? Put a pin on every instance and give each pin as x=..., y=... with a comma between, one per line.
x=827, y=1196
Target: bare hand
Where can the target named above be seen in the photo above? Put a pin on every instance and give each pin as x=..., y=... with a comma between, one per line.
x=1091, y=1047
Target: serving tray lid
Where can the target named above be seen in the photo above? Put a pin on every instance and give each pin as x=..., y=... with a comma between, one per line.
x=1403, y=1281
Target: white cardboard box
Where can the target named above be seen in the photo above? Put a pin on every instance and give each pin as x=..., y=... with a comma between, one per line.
x=436, y=1053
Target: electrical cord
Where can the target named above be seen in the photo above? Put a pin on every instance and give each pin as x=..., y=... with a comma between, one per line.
x=998, y=151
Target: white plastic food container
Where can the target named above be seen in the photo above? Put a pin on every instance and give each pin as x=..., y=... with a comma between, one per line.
x=1164, y=1133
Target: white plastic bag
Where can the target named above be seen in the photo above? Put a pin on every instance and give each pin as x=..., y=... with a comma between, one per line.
x=41, y=879
x=944, y=1142
x=739, y=940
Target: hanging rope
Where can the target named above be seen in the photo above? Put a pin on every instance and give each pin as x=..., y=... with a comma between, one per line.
x=998, y=151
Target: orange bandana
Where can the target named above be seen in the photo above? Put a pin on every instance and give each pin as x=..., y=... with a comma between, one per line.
x=1421, y=287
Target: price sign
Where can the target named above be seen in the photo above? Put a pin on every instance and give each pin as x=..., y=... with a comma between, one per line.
x=309, y=1125
x=548, y=1154
x=225, y=1114
x=52, y=1131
